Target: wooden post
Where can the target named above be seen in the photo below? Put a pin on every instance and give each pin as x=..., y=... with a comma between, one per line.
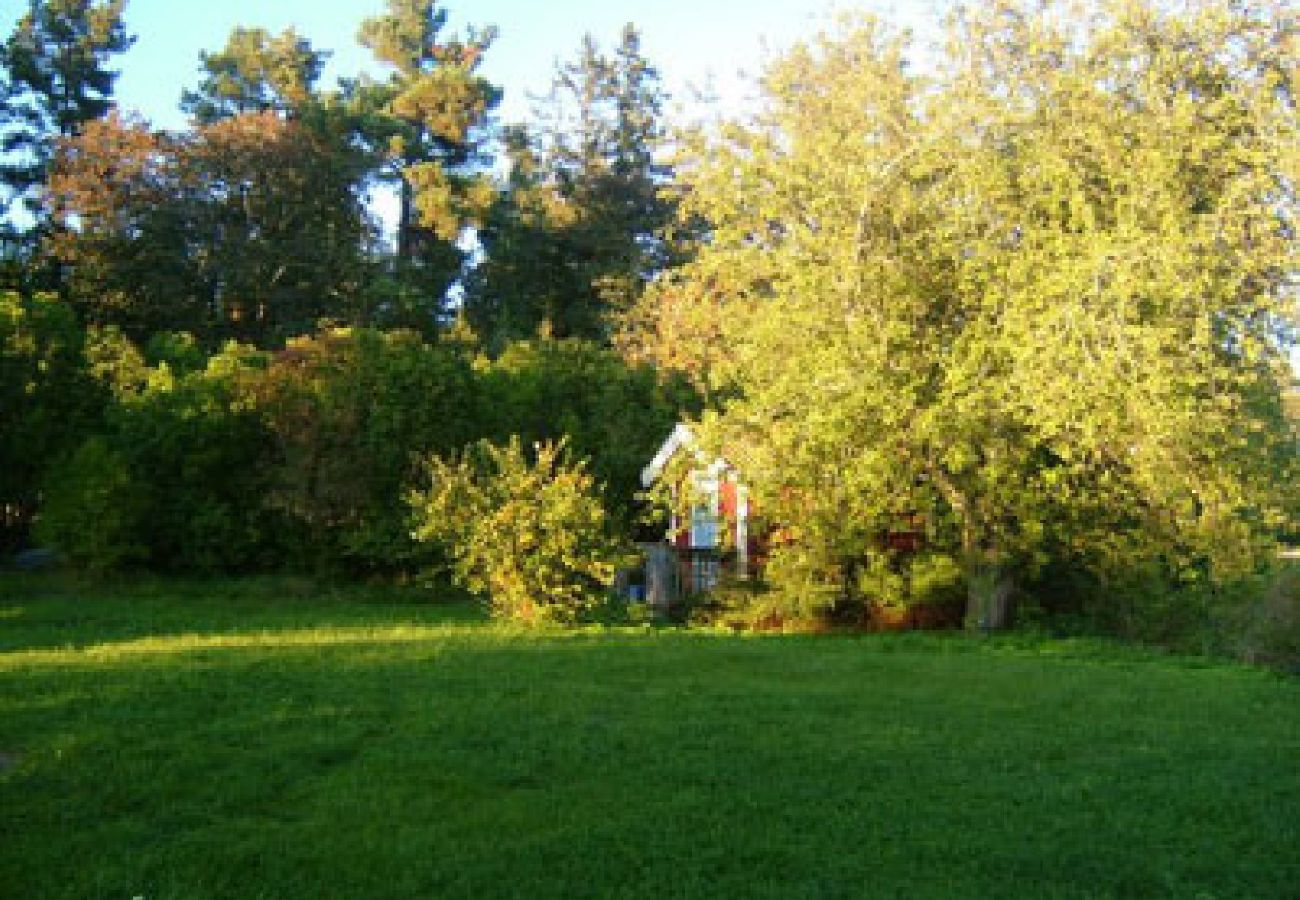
x=660, y=577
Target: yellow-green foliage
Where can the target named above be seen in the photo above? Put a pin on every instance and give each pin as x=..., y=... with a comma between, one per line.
x=1037, y=297
x=529, y=534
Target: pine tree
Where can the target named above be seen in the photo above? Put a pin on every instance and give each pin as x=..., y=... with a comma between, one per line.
x=57, y=79
x=575, y=235
x=429, y=117
x=256, y=72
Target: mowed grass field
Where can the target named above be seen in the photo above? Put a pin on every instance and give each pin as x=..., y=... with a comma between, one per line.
x=265, y=740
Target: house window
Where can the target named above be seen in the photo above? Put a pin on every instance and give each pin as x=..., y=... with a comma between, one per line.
x=704, y=527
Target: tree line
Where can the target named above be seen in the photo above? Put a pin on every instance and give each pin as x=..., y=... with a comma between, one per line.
x=215, y=358
x=1034, y=290
x=253, y=223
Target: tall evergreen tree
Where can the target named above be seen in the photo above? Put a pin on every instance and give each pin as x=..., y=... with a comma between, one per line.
x=57, y=79
x=430, y=119
x=575, y=234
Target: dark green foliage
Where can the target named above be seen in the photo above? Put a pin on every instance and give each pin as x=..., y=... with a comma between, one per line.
x=203, y=460
x=175, y=483
x=48, y=402
x=576, y=234
x=1254, y=616
x=276, y=206
x=1268, y=630
x=351, y=410
x=94, y=510
x=249, y=228
x=179, y=350
x=301, y=458
x=612, y=413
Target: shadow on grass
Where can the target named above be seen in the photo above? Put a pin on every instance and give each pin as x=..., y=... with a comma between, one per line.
x=57, y=610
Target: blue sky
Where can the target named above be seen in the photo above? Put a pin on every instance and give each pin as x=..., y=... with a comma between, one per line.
x=694, y=42
x=713, y=45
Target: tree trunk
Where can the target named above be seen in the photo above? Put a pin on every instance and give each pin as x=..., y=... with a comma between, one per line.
x=405, y=219
x=990, y=589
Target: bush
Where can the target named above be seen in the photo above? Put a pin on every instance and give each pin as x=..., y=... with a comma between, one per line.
x=530, y=536
x=352, y=411
x=203, y=460
x=176, y=482
x=49, y=402
x=94, y=510
x=798, y=591
x=1269, y=633
x=614, y=414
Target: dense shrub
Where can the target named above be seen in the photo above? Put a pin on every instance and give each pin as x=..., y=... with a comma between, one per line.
x=301, y=458
x=612, y=413
x=204, y=461
x=798, y=590
x=1254, y=615
x=94, y=510
x=912, y=590
x=529, y=535
x=352, y=411
x=801, y=590
x=176, y=480
x=1269, y=629
x=49, y=402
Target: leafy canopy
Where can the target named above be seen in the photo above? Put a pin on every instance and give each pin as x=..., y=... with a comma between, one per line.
x=1039, y=296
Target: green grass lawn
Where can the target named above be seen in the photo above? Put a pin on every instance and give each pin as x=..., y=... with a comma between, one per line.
x=245, y=740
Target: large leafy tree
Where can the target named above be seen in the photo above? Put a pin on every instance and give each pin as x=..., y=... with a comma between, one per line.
x=575, y=234
x=56, y=79
x=1041, y=297
x=115, y=189
x=250, y=227
x=274, y=209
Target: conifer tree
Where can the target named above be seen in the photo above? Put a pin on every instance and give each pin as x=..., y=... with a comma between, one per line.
x=575, y=235
x=429, y=119
x=56, y=79
x=256, y=72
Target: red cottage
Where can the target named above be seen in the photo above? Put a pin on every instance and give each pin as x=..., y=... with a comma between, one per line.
x=714, y=537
